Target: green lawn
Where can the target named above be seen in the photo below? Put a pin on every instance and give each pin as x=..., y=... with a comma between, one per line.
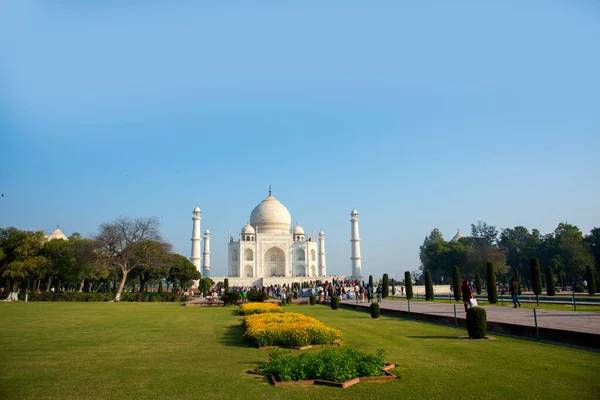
x=163, y=350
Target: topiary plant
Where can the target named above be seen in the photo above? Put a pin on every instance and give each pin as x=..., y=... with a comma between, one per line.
x=476, y=322
x=386, y=286
x=590, y=277
x=226, y=285
x=550, y=285
x=428, y=287
x=312, y=300
x=231, y=298
x=456, y=284
x=536, y=278
x=408, y=284
x=478, y=283
x=335, y=302
x=257, y=296
x=492, y=290
x=375, y=311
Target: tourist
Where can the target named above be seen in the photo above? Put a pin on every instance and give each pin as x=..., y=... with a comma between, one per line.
x=514, y=292
x=402, y=290
x=467, y=294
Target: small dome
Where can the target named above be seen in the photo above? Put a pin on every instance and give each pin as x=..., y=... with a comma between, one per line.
x=354, y=212
x=457, y=237
x=248, y=230
x=321, y=233
x=271, y=216
x=207, y=232
x=298, y=230
x=57, y=234
x=197, y=209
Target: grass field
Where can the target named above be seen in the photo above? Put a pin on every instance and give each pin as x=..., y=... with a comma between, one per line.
x=163, y=350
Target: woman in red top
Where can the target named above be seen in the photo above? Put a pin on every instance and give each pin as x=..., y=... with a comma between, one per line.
x=467, y=294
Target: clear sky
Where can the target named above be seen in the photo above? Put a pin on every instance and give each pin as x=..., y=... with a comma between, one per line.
x=420, y=114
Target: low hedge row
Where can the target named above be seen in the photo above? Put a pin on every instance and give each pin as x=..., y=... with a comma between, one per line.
x=93, y=297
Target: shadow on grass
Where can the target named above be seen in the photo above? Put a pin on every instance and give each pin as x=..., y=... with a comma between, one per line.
x=233, y=336
x=433, y=337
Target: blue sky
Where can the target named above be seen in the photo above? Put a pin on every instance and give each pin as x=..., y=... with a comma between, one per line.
x=420, y=114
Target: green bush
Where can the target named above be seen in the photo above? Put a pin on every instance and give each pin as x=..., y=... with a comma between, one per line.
x=478, y=283
x=550, y=284
x=476, y=322
x=231, y=298
x=257, y=296
x=456, y=283
x=518, y=276
x=590, y=277
x=408, y=285
x=226, y=285
x=492, y=290
x=375, y=310
x=69, y=296
x=428, y=286
x=578, y=289
x=335, y=302
x=290, y=297
x=371, y=282
x=312, y=300
x=386, y=286
x=334, y=365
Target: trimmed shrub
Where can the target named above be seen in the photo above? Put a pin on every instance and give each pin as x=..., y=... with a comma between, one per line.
x=476, y=322
x=226, y=285
x=371, y=282
x=456, y=284
x=550, y=284
x=408, y=284
x=578, y=289
x=335, y=302
x=536, y=278
x=231, y=298
x=478, y=283
x=257, y=296
x=385, y=292
x=312, y=300
x=492, y=290
x=160, y=286
x=428, y=286
x=590, y=277
x=375, y=311
x=289, y=298
x=518, y=276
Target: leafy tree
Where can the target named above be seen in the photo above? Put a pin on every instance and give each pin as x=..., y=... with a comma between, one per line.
x=128, y=244
x=590, y=277
x=550, y=288
x=518, y=277
x=536, y=278
x=408, y=284
x=456, y=283
x=478, y=283
x=566, y=243
x=181, y=269
x=428, y=287
x=434, y=236
x=592, y=242
x=519, y=246
x=492, y=289
x=386, y=286
x=484, y=234
x=205, y=284
x=226, y=285
x=479, y=256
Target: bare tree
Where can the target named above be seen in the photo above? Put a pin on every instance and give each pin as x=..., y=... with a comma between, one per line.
x=131, y=243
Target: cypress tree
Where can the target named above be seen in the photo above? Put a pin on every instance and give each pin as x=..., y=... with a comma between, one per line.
x=492, y=290
x=550, y=286
x=408, y=284
x=371, y=281
x=160, y=286
x=536, y=278
x=478, y=283
x=456, y=284
x=226, y=285
x=393, y=288
x=590, y=277
x=518, y=276
x=385, y=292
x=428, y=287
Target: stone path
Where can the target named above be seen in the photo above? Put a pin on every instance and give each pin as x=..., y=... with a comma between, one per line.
x=576, y=321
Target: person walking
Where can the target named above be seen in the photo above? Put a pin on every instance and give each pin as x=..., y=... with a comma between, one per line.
x=514, y=292
x=467, y=294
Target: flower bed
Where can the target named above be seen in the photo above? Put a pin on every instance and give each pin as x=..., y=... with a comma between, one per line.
x=287, y=330
x=259, y=308
x=343, y=367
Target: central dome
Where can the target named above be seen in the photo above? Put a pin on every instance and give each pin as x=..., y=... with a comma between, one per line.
x=270, y=216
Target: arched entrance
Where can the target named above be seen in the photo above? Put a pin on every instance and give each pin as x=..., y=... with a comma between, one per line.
x=300, y=270
x=248, y=271
x=274, y=264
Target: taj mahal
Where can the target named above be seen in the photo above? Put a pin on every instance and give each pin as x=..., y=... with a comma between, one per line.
x=270, y=251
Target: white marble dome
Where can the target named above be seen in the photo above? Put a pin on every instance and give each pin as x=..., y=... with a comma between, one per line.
x=57, y=234
x=457, y=237
x=248, y=230
x=298, y=230
x=270, y=216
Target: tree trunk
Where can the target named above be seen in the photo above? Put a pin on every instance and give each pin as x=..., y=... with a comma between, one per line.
x=14, y=291
x=121, y=285
x=81, y=285
x=39, y=283
x=49, y=283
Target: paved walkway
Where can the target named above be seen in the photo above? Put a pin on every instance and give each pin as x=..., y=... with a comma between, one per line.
x=576, y=321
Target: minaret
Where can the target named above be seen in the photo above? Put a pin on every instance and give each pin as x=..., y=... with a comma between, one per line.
x=196, y=257
x=355, y=242
x=206, y=259
x=322, y=266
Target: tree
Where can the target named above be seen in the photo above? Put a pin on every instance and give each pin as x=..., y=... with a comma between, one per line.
x=456, y=283
x=478, y=283
x=518, y=245
x=484, y=234
x=479, y=256
x=226, y=285
x=181, y=269
x=590, y=277
x=518, y=277
x=566, y=242
x=492, y=290
x=536, y=278
x=408, y=284
x=592, y=242
x=128, y=244
x=371, y=282
x=550, y=286
x=428, y=287
x=385, y=292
